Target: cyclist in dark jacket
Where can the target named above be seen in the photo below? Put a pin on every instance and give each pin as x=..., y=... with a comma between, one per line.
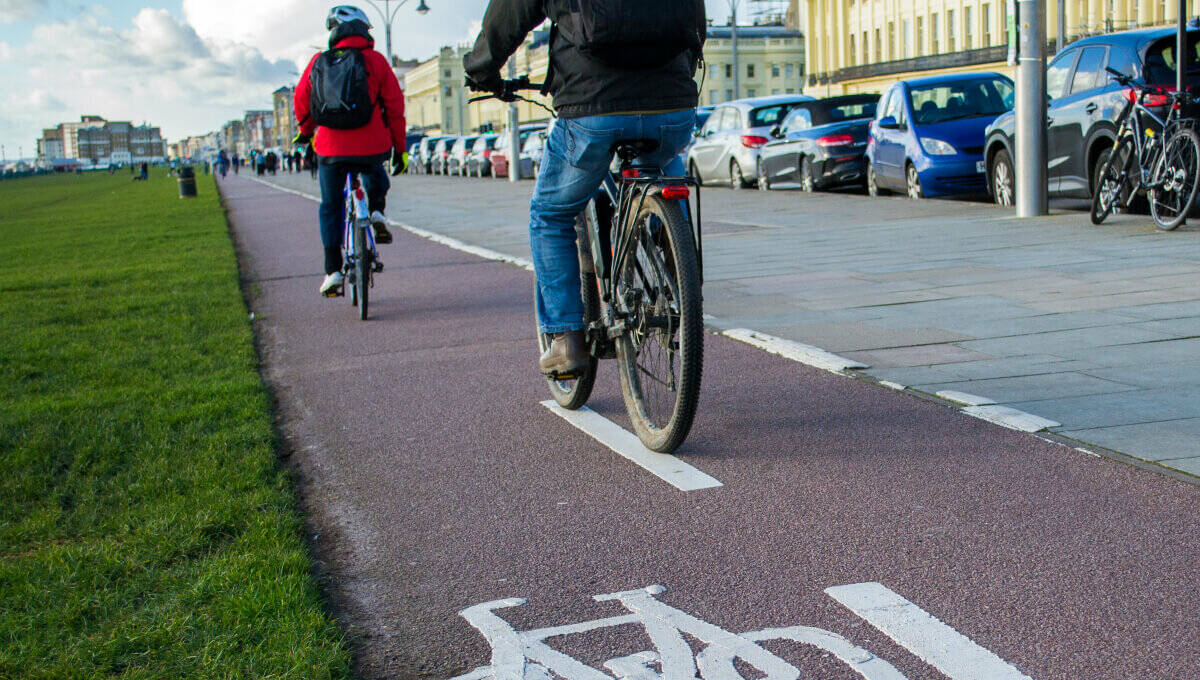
x=597, y=104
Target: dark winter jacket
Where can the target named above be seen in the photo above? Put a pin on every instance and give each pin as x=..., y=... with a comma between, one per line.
x=581, y=86
x=372, y=142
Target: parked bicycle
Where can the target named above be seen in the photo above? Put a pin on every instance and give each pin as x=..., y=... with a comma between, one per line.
x=641, y=262
x=1159, y=157
x=361, y=260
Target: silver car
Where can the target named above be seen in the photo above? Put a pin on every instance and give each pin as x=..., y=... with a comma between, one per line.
x=726, y=148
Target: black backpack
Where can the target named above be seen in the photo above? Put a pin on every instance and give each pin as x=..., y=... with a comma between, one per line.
x=634, y=34
x=340, y=90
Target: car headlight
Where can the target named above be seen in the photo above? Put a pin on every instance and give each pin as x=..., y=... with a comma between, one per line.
x=936, y=147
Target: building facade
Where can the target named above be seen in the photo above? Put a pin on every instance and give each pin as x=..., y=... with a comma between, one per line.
x=96, y=141
x=258, y=130
x=284, y=129
x=770, y=61
x=866, y=45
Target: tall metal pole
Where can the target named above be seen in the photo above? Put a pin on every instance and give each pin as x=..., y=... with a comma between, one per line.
x=1031, y=109
x=514, y=130
x=1181, y=65
x=737, y=74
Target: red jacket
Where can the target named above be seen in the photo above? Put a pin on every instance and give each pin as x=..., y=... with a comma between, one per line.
x=373, y=141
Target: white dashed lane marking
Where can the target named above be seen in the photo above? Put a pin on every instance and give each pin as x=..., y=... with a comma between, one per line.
x=669, y=468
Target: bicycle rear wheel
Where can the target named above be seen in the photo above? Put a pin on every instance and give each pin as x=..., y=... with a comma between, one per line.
x=573, y=393
x=662, y=353
x=1174, y=179
x=362, y=268
x=1114, y=186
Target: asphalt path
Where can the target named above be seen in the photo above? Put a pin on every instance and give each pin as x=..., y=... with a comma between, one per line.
x=433, y=480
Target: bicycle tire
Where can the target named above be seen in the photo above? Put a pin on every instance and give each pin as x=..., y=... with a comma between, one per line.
x=573, y=393
x=1112, y=182
x=363, y=270
x=671, y=253
x=1181, y=158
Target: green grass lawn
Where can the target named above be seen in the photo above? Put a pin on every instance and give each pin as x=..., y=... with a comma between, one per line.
x=147, y=529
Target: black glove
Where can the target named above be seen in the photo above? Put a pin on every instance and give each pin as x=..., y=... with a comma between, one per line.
x=301, y=139
x=399, y=162
x=492, y=82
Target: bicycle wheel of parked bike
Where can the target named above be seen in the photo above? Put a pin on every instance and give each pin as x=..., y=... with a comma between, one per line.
x=661, y=355
x=362, y=269
x=572, y=393
x=1114, y=182
x=1174, y=179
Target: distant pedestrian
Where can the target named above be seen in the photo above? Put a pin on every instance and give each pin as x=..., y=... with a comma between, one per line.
x=222, y=163
x=272, y=161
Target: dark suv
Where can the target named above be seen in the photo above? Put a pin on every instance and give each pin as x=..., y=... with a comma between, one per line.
x=1084, y=103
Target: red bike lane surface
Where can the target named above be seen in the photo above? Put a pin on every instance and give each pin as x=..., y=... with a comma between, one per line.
x=434, y=480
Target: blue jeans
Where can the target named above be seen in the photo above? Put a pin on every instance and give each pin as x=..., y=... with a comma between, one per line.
x=577, y=156
x=332, y=179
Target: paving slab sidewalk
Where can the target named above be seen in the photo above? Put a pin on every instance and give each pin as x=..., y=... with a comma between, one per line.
x=1097, y=328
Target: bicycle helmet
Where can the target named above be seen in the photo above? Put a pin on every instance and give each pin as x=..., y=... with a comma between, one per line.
x=344, y=14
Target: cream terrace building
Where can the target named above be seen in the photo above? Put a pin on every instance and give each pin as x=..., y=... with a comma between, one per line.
x=865, y=45
x=770, y=61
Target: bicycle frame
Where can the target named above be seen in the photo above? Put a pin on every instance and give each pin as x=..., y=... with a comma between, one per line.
x=356, y=210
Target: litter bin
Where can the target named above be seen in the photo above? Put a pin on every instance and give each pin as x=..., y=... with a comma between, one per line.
x=187, y=182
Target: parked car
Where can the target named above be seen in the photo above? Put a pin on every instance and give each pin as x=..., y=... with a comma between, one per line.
x=726, y=148
x=1084, y=104
x=441, y=155
x=456, y=161
x=478, y=161
x=928, y=133
x=820, y=144
x=425, y=155
x=532, y=150
x=703, y=113
x=500, y=152
x=412, y=158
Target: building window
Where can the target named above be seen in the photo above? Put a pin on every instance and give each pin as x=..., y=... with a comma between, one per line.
x=950, y=30
x=774, y=70
x=446, y=73
x=920, y=36
x=446, y=91
x=712, y=98
x=787, y=70
x=891, y=47
x=750, y=92
x=866, y=58
x=878, y=46
x=728, y=70
x=728, y=95
x=933, y=34
x=968, y=29
x=790, y=90
x=985, y=14
x=775, y=90
x=749, y=70
x=905, y=38
x=852, y=53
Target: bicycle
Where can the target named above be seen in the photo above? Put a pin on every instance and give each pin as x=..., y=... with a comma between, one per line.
x=1164, y=166
x=641, y=271
x=360, y=259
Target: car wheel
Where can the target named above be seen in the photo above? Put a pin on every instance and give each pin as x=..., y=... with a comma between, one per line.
x=736, y=179
x=872, y=181
x=764, y=183
x=695, y=173
x=807, y=182
x=914, y=182
x=1003, y=180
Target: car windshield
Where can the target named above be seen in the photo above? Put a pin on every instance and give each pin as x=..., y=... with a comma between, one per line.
x=702, y=118
x=835, y=112
x=960, y=99
x=769, y=116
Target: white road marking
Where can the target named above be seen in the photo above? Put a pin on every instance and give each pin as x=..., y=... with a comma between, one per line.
x=964, y=398
x=1011, y=418
x=893, y=385
x=669, y=468
x=796, y=351
x=936, y=643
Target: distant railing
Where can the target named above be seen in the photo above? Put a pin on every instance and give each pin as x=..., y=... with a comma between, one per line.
x=983, y=55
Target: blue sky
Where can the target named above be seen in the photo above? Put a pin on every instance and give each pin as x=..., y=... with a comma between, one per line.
x=185, y=65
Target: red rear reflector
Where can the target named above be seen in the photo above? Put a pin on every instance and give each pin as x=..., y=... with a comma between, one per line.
x=487, y=154
x=753, y=141
x=630, y=172
x=675, y=192
x=835, y=140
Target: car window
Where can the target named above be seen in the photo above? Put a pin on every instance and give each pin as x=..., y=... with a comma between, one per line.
x=884, y=103
x=896, y=107
x=1087, y=72
x=1057, y=73
x=937, y=103
x=732, y=119
x=1161, y=59
x=834, y=113
x=768, y=116
x=714, y=122
x=1121, y=61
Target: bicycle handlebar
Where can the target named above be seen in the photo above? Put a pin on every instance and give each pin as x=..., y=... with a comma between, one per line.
x=508, y=89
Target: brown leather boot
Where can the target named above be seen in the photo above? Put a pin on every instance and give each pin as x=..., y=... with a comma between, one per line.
x=567, y=354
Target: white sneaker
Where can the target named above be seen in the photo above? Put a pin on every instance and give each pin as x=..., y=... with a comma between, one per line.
x=382, y=235
x=332, y=286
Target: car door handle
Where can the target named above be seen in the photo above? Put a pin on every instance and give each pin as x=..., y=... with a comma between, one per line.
x=1049, y=122
x=1091, y=108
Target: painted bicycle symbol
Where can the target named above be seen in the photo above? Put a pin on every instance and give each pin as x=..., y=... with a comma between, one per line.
x=524, y=655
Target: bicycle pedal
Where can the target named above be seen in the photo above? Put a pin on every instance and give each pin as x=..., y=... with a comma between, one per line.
x=377, y=266
x=336, y=292
x=562, y=376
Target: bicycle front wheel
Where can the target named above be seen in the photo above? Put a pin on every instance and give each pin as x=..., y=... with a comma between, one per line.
x=1113, y=184
x=1174, y=179
x=661, y=354
x=362, y=267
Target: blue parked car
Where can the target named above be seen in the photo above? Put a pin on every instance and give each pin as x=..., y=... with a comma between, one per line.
x=927, y=136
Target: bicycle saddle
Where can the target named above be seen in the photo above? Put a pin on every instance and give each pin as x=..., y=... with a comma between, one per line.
x=629, y=149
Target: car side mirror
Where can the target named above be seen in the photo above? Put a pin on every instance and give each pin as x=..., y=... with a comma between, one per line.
x=776, y=132
x=888, y=123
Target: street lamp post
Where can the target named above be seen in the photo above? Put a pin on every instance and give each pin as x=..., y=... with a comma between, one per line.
x=388, y=13
x=733, y=39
